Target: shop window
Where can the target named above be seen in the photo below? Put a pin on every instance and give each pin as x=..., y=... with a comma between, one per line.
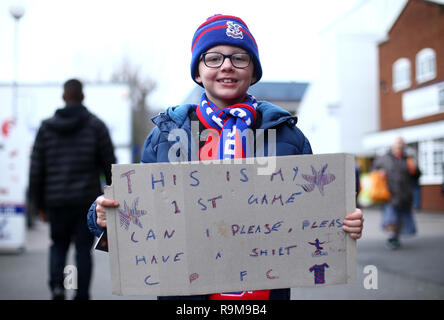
x=431, y=161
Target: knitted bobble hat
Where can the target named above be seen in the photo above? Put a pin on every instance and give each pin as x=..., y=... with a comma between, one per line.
x=223, y=30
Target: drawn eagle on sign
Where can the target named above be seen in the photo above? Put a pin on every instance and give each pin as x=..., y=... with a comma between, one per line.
x=319, y=179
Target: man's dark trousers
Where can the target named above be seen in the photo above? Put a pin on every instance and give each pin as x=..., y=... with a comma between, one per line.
x=68, y=224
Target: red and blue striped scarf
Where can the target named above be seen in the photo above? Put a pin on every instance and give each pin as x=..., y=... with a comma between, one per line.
x=229, y=123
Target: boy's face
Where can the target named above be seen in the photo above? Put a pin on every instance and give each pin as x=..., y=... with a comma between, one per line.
x=225, y=85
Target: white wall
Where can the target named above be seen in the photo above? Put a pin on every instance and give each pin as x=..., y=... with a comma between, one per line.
x=358, y=89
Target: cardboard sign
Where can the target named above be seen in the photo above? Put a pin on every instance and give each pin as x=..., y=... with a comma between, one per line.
x=197, y=228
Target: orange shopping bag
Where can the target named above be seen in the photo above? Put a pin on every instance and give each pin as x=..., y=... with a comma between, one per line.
x=379, y=191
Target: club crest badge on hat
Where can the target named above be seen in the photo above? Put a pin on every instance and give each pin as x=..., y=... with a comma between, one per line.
x=233, y=30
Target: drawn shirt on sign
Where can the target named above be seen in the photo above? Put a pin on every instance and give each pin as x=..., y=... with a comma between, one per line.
x=319, y=273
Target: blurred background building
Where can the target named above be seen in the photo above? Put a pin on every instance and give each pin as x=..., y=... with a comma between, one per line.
x=382, y=77
x=411, y=93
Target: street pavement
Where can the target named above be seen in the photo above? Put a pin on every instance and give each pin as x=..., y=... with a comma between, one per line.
x=414, y=272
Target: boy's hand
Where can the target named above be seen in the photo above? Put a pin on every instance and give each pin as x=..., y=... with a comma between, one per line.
x=354, y=223
x=102, y=204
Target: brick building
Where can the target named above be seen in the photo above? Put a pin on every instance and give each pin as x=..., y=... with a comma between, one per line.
x=411, y=93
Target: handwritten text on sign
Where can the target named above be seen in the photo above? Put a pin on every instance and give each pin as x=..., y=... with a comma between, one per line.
x=204, y=228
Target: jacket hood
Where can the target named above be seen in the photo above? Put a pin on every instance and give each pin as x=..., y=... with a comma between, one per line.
x=271, y=114
x=68, y=119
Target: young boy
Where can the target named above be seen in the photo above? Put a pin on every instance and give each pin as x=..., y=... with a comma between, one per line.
x=225, y=62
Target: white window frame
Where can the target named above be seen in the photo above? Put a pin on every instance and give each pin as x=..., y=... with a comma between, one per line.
x=431, y=160
x=401, y=74
x=425, y=65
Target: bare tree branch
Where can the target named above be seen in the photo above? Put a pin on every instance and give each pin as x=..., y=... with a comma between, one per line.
x=140, y=88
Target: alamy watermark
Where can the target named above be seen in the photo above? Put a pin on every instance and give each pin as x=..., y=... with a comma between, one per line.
x=261, y=146
x=70, y=279
x=371, y=279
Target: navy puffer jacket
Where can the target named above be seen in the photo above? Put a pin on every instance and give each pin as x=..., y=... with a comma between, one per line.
x=71, y=150
x=289, y=139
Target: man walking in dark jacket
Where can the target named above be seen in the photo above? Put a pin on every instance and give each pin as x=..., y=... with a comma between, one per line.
x=71, y=151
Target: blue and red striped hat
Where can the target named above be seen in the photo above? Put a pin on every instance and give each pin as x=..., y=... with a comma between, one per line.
x=224, y=30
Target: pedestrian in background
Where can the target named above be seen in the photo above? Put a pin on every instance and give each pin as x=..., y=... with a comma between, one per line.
x=402, y=173
x=71, y=151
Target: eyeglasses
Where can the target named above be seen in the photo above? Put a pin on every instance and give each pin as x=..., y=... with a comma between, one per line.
x=216, y=59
